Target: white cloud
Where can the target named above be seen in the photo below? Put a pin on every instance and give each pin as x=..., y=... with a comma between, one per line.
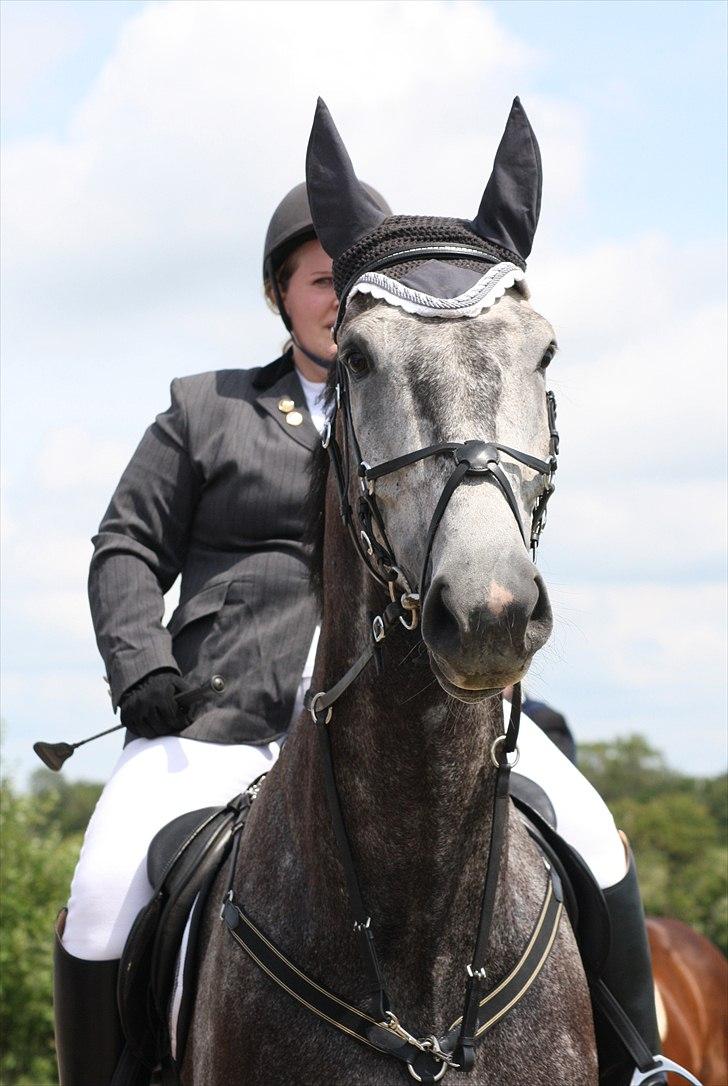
x=638, y=528
x=35, y=37
x=182, y=148
x=132, y=254
x=71, y=458
x=62, y=613
x=641, y=375
x=644, y=635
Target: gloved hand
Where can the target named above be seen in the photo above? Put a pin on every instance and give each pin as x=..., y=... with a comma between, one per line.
x=149, y=708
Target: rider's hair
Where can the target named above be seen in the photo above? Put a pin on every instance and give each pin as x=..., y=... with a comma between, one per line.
x=283, y=274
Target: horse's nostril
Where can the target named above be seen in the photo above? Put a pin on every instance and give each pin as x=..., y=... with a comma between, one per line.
x=542, y=611
x=541, y=622
x=439, y=623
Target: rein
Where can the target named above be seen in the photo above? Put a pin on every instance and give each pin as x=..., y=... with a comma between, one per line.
x=376, y=1025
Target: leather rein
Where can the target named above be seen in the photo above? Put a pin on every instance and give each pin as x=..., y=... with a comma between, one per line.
x=375, y=1024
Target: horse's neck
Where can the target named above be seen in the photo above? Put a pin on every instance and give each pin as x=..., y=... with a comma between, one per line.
x=412, y=766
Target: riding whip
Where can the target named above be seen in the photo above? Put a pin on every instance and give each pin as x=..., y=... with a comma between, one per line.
x=54, y=755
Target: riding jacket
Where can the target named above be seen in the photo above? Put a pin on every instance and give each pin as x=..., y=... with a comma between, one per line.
x=216, y=492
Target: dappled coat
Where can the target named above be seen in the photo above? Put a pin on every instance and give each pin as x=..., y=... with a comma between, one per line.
x=215, y=492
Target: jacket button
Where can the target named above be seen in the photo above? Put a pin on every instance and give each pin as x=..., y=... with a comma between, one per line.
x=217, y=683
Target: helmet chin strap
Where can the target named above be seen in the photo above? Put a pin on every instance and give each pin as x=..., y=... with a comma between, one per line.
x=325, y=363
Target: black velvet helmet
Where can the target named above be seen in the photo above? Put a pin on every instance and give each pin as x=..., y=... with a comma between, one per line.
x=291, y=224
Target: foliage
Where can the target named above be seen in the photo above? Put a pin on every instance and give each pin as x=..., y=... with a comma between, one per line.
x=676, y=826
x=36, y=864
x=67, y=805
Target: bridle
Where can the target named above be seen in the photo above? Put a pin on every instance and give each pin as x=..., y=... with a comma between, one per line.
x=472, y=459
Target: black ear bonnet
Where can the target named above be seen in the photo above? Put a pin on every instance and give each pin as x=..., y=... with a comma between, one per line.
x=440, y=261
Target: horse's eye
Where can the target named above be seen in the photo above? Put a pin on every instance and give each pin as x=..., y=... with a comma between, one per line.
x=548, y=355
x=357, y=363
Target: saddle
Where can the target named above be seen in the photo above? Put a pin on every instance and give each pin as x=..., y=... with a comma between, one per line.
x=182, y=863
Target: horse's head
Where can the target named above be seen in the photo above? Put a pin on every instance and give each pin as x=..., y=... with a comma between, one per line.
x=456, y=521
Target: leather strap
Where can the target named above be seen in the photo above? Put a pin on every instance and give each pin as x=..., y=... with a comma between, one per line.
x=320, y=704
x=465, y=1048
x=429, y=1059
x=377, y=1000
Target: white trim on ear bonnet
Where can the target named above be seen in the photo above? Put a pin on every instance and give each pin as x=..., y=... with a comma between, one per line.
x=480, y=296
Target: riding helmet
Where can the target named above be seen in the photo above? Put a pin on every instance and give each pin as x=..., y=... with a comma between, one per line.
x=291, y=225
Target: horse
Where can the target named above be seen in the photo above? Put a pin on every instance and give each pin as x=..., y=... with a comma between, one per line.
x=416, y=743
x=691, y=981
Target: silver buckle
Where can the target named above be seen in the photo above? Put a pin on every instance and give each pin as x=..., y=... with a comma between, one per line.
x=476, y=974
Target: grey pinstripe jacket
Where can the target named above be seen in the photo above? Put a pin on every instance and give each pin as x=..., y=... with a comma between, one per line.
x=215, y=491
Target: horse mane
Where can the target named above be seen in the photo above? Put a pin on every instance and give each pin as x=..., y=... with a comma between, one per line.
x=315, y=513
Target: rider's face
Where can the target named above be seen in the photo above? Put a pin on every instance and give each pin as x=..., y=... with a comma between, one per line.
x=310, y=300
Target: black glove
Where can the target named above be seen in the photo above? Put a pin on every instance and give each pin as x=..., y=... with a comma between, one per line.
x=149, y=707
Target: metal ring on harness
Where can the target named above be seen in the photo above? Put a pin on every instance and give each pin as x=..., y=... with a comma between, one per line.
x=494, y=753
x=367, y=485
x=435, y=1078
x=314, y=712
x=392, y=585
x=411, y=602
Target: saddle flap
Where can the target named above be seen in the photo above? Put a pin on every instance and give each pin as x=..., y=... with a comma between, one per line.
x=590, y=919
x=172, y=840
x=182, y=858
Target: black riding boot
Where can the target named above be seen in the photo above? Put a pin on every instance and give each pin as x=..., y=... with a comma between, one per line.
x=89, y=1040
x=628, y=976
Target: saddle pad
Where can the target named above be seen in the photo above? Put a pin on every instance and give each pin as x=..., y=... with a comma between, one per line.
x=180, y=992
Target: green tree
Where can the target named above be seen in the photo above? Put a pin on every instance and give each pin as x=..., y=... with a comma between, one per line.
x=67, y=805
x=677, y=828
x=36, y=865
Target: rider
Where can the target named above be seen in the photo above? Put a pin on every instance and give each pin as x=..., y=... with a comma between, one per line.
x=216, y=492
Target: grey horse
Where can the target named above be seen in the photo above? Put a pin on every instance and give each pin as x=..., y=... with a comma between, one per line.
x=411, y=739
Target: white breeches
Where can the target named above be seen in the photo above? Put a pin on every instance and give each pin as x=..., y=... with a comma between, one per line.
x=156, y=780
x=153, y=781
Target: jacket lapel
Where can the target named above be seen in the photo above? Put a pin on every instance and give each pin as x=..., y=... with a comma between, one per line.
x=288, y=387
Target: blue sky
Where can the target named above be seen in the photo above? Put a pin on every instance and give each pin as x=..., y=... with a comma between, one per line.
x=145, y=146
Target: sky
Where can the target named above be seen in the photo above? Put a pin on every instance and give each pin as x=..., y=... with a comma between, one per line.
x=145, y=146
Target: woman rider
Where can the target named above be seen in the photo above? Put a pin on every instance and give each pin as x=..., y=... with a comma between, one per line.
x=216, y=491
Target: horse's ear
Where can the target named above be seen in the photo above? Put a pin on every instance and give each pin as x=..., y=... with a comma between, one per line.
x=508, y=213
x=341, y=208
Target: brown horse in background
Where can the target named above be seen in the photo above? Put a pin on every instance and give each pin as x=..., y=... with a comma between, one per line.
x=691, y=978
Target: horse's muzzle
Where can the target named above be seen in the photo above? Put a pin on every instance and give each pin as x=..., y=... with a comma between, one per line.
x=481, y=646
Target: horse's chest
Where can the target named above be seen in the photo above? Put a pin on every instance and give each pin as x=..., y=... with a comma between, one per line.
x=259, y=1034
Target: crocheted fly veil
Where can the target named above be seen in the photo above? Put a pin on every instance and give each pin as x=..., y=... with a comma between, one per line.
x=436, y=267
